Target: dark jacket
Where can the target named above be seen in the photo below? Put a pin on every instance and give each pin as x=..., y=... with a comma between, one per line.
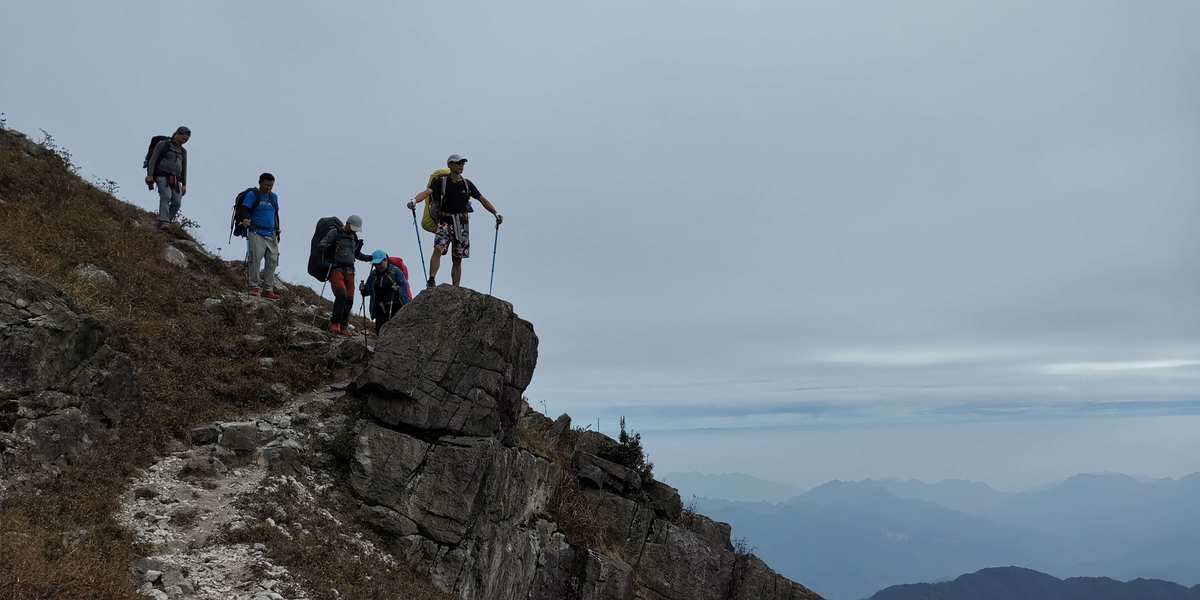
x=168, y=159
x=387, y=290
x=346, y=247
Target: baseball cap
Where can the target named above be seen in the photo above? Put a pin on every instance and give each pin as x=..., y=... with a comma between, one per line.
x=355, y=223
x=378, y=256
x=456, y=158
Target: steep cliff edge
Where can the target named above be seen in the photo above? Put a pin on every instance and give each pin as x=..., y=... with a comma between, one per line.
x=439, y=472
x=165, y=435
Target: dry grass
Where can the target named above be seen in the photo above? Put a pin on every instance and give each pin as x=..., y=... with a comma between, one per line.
x=59, y=539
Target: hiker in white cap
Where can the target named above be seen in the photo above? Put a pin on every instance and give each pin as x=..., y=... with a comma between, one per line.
x=450, y=201
x=344, y=247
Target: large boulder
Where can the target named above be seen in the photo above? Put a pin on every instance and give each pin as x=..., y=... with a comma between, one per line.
x=435, y=469
x=452, y=361
x=65, y=381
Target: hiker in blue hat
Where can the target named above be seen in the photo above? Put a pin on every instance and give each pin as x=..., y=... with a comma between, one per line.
x=387, y=286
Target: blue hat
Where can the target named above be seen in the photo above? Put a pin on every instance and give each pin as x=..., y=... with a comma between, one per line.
x=378, y=256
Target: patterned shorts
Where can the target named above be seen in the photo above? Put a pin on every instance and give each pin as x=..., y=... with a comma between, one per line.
x=460, y=243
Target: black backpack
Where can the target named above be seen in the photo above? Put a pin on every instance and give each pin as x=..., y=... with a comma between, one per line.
x=153, y=142
x=320, y=262
x=234, y=222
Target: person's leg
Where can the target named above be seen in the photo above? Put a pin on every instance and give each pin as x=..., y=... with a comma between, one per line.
x=441, y=243
x=435, y=261
x=350, y=285
x=456, y=270
x=337, y=284
x=271, y=252
x=255, y=247
x=176, y=203
x=164, y=200
x=462, y=249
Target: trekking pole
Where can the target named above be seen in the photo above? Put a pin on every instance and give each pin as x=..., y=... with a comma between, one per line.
x=323, y=284
x=364, y=316
x=494, y=242
x=419, y=249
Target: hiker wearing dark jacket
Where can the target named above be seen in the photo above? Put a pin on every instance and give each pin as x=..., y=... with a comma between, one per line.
x=167, y=168
x=452, y=194
x=387, y=287
x=343, y=247
x=258, y=212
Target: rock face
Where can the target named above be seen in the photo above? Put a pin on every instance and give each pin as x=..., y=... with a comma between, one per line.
x=64, y=380
x=454, y=362
x=435, y=468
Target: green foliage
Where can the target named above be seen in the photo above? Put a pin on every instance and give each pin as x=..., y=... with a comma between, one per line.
x=629, y=453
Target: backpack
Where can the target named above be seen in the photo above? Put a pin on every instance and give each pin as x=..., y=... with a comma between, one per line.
x=320, y=262
x=398, y=262
x=153, y=142
x=433, y=210
x=234, y=226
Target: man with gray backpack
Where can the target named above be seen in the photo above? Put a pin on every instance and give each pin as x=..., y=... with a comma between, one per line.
x=166, y=167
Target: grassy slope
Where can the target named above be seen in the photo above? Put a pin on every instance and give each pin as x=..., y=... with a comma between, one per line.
x=59, y=540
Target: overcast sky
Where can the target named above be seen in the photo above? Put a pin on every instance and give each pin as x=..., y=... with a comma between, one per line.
x=884, y=229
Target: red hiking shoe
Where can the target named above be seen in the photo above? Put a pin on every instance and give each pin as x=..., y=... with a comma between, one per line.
x=335, y=329
x=271, y=295
x=255, y=291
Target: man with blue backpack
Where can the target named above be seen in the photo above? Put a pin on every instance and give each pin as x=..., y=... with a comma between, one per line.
x=256, y=217
x=387, y=285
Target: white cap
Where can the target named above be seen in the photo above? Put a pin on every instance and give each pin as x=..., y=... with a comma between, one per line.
x=456, y=158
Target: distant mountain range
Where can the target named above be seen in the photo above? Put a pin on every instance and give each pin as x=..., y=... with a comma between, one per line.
x=847, y=540
x=730, y=486
x=1011, y=583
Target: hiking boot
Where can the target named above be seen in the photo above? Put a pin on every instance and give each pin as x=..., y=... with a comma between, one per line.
x=345, y=330
x=255, y=291
x=271, y=295
x=336, y=329
x=429, y=284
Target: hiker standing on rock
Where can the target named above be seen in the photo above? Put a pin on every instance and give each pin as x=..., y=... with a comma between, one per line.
x=344, y=247
x=387, y=286
x=451, y=195
x=258, y=213
x=167, y=168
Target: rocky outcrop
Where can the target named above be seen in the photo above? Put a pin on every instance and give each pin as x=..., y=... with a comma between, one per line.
x=454, y=362
x=438, y=474
x=65, y=382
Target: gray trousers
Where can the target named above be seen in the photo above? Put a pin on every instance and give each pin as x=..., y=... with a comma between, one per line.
x=264, y=250
x=169, y=200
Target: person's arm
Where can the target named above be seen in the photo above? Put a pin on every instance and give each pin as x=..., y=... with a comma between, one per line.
x=419, y=198
x=369, y=288
x=153, y=164
x=358, y=251
x=328, y=239
x=183, y=172
x=478, y=195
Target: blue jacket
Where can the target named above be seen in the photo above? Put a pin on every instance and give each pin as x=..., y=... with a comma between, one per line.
x=390, y=288
x=264, y=219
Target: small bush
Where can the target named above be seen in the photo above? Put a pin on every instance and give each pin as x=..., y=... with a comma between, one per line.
x=629, y=453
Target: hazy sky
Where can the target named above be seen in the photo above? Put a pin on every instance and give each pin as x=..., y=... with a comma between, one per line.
x=933, y=238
